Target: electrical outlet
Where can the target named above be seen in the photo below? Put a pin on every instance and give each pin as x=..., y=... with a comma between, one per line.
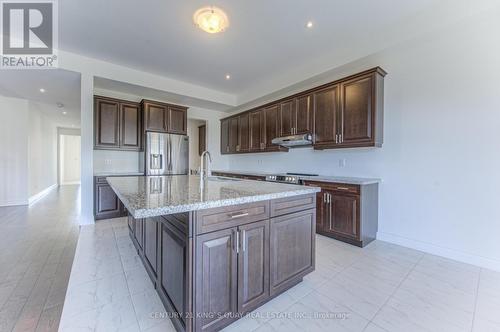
x=342, y=162
x=107, y=162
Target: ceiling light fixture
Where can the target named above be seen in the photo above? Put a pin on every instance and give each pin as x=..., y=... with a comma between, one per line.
x=211, y=19
x=309, y=24
x=64, y=113
x=228, y=77
x=42, y=90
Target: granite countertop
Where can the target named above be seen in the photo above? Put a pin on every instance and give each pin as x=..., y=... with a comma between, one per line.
x=151, y=196
x=111, y=173
x=321, y=178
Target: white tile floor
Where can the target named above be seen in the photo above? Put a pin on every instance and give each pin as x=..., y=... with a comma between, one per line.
x=382, y=287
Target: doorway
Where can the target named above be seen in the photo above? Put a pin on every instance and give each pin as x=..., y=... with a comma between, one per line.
x=69, y=159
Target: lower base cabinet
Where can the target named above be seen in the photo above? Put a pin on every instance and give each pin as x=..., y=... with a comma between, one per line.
x=106, y=204
x=208, y=277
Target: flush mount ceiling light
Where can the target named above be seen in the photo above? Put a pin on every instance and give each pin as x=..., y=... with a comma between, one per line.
x=42, y=90
x=228, y=77
x=309, y=24
x=211, y=19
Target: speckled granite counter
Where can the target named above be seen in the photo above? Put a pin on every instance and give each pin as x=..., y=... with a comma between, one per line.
x=151, y=196
x=320, y=178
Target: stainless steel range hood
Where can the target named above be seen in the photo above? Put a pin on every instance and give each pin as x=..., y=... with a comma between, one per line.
x=293, y=140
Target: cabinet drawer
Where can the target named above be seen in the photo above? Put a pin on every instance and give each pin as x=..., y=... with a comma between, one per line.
x=229, y=216
x=288, y=205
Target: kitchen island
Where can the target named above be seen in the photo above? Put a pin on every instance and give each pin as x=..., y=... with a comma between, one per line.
x=219, y=248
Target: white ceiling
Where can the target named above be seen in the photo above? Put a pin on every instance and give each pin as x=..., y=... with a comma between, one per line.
x=61, y=86
x=265, y=39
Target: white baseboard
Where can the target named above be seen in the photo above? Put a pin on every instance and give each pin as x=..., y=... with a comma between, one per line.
x=41, y=194
x=13, y=203
x=485, y=262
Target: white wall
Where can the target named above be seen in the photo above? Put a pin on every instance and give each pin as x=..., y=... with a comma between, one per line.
x=42, y=151
x=70, y=159
x=14, y=179
x=441, y=158
x=193, y=133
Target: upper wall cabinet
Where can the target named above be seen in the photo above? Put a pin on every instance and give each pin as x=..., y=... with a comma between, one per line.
x=117, y=124
x=347, y=113
x=164, y=118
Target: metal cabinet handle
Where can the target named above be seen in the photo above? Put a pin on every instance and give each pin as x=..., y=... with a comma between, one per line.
x=330, y=214
x=324, y=197
x=237, y=242
x=239, y=215
x=336, y=139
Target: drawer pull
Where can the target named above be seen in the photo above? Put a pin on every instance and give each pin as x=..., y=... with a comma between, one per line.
x=343, y=188
x=238, y=215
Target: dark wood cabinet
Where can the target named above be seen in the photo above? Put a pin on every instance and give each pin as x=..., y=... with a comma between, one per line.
x=202, y=139
x=162, y=117
x=130, y=126
x=155, y=116
x=292, y=250
x=243, y=133
x=106, y=123
x=287, y=116
x=106, y=203
x=272, y=126
x=326, y=110
x=304, y=115
x=257, y=131
x=117, y=124
x=150, y=229
x=347, y=213
x=233, y=135
x=177, y=120
x=224, y=136
x=253, y=266
x=296, y=116
x=216, y=286
x=346, y=113
x=173, y=267
x=139, y=235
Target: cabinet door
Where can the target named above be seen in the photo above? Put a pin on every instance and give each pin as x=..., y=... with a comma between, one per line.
x=216, y=279
x=357, y=117
x=233, y=134
x=177, y=121
x=243, y=133
x=106, y=123
x=130, y=115
x=257, y=133
x=155, y=117
x=326, y=108
x=202, y=139
x=303, y=118
x=131, y=224
x=292, y=248
x=287, y=118
x=150, y=243
x=253, y=265
x=343, y=216
x=321, y=211
x=173, y=266
x=272, y=125
x=107, y=204
x=224, y=136
x=139, y=233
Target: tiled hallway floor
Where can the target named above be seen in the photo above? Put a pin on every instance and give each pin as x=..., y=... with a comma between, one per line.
x=36, y=254
x=382, y=287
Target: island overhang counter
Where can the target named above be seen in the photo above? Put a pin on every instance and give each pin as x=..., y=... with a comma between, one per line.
x=219, y=248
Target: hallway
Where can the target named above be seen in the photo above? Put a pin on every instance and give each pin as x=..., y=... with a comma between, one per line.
x=36, y=254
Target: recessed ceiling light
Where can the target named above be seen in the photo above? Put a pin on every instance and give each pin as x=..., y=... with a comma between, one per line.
x=211, y=19
x=228, y=77
x=42, y=90
x=73, y=125
x=64, y=113
x=309, y=24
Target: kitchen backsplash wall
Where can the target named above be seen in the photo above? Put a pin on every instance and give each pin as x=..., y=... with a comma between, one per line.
x=117, y=161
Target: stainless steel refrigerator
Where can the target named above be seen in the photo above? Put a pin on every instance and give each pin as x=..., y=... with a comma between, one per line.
x=166, y=154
